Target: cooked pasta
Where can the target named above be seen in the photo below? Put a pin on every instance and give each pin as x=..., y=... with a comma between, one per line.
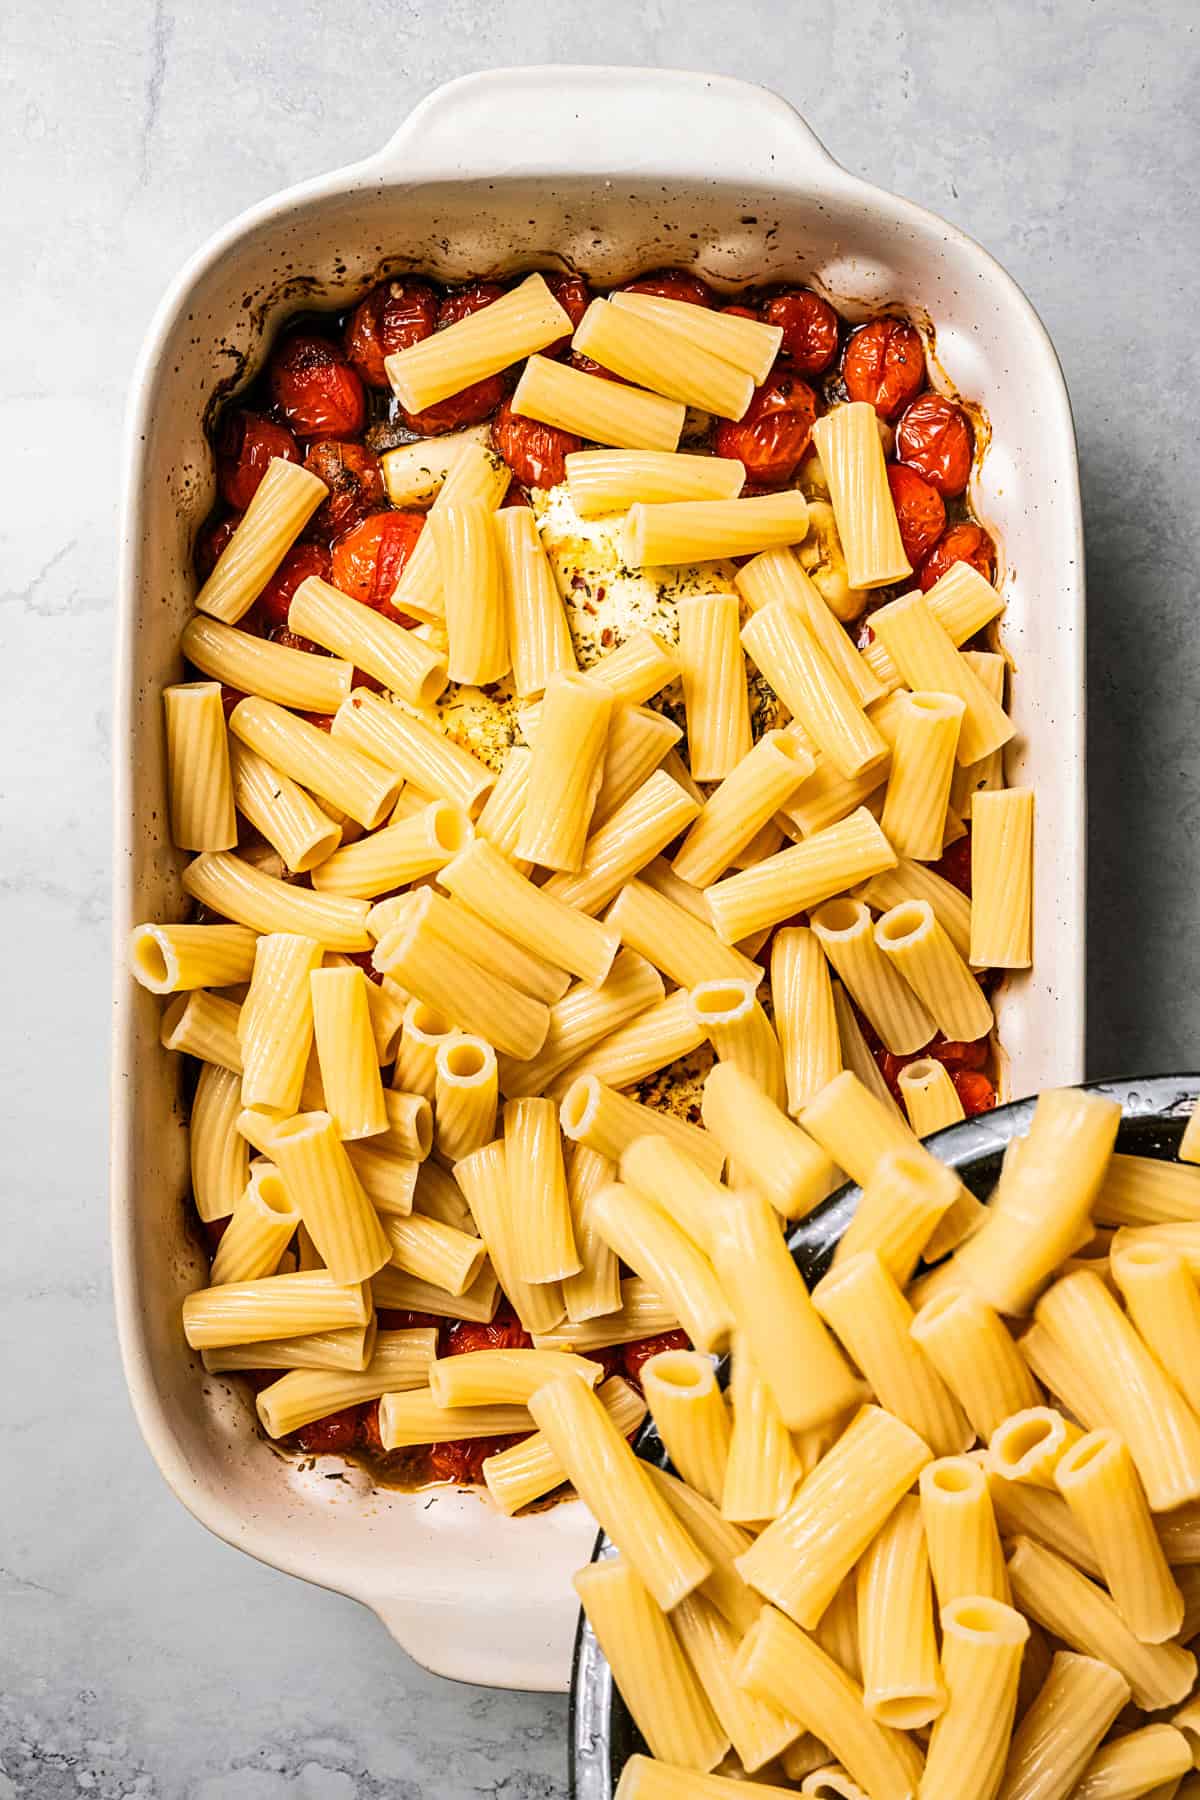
x=608, y=1122
x=620, y=848
x=433, y=763
x=689, y=1411
x=1002, y=879
x=805, y=1020
x=201, y=787
x=403, y=662
x=845, y=930
x=607, y=481
x=797, y=879
x=281, y=810
x=585, y=1017
x=683, y=946
x=920, y=951
x=397, y=854
x=649, y=1241
x=314, y=759
x=539, y=638
x=918, y=790
x=814, y=689
x=929, y=1097
x=275, y=672
x=902, y=1683
x=982, y=1644
x=1098, y=1481
x=771, y=1152
x=345, y=1044
x=284, y=501
x=655, y=355
x=591, y=407
x=525, y=319
x=414, y=473
x=170, y=959
x=681, y=531
x=762, y=1467
x=472, y=580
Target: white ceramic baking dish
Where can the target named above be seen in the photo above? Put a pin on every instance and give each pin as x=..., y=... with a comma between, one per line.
x=609, y=171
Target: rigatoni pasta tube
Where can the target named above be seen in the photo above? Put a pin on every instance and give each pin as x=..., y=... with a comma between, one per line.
x=310, y=756
x=1055, y=1741
x=434, y=1251
x=527, y=1470
x=991, y=668
x=645, y=1237
x=414, y=1417
x=620, y=848
x=465, y=1096
x=655, y=356
x=465, y=933
x=783, y=1666
x=684, y=947
x=595, y=1289
x=1164, y=1304
x=714, y=684
x=478, y=474
x=168, y=959
x=1098, y=1481
x=257, y=666
x=220, y=1163
x=797, y=1358
x=422, y=1035
x=539, y=638
x=283, y=502
x=279, y=1306
x=329, y=1197
x=720, y=1542
x=584, y=1017
x=746, y=800
x=1074, y=1609
x=349, y=1349
x=982, y=1644
x=1030, y=1445
x=500, y=820
x=642, y=1313
x=201, y=789
x=689, y=1410
x=902, y=1683
x=1002, y=879
x=203, y=1025
x=969, y=1345
x=963, y=601
x=746, y=343
x=777, y=575
x=525, y=319
x=919, y=950
x=860, y=1301
x=930, y=1098
x=960, y=1528
x=608, y=1122
x=637, y=669
x=1161, y=1431
x=826, y=797
x=275, y=1026
x=484, y=881
x=854, y=1127
x=612, y=1483
x=564, y=776
x=914, y=881
x=908, y=1193
x=1139, y=1190
x=428, y=759
x=483, y=1178
x=503, y=1377
x=400, y=1361
x=780, y=1159
x=638, y=739
x=394, y=1289
x=472, y=579
x=804, y=1014
x=799, y=878
x=233, y=887
x=845, y=930
x=847, y=441
x=661, y=1172
x=918, y=790
x=1150, y=1762
x=813, y=688
x=397, y=854
x=544, y=1240
x=414, y=473
x=761, y=1466
x=403, y=662
x=389, y=1180
x=657, y=1036
x=686, y=531
x=666, y=1699
x=264, y=1221
x=740, y=1033
x=757, y=1730
x=927, y=659
x=592, y=407
x=606, y=481
x=346, y=1052
x=279, y=808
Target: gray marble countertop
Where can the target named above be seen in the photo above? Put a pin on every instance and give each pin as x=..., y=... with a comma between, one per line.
x=138, y=1655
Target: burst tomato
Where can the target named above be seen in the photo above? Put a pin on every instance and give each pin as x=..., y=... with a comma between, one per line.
x=976, y=1092
x=673, y=284
x=967, y=543
x=535, y=453
x=301, y=561
x=773, y=434
x=368, y=1427
x=354, y=476
x=587, y=366
x=885, y=365
x=955, y=865
x=504, y=1333
x=292, y=640
x=368, y=561
x=245, y=444
x=635, y=1355
x=574, y=296
x=337, y=1431
x=920, y=512
x=740, y=312
x=935, y=438
x=316, y=389
x=210, y=542
x=959, y=1055
x=393, y=316
x=462, y=1460
x=476, y=402
x=810, y=329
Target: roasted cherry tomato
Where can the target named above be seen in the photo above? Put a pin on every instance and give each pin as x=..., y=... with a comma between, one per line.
x=959, y=1055
x=774, y=432
x=920, y=512
x=885, y=364
x=635, y=1355
x=337, y=1431
x=211, y=541
x=368, y=561
x=504, y=1333
x=810, y=329
x=935, y=438
x=462, y=1460
x=393, y=316
x=301, y=561
x=482, y=398
x=354, y=476
x=315, y=388
x=976, y=1091
x=245, y=444
x=967, y=543
x=741, y=312
x=229, y=698
x=587, y=366
x=535, y=453
x=574, y=296
x=368, y=1427
x=955, y=865
x=214, y=1230
x=673, y=284
x=292, y=640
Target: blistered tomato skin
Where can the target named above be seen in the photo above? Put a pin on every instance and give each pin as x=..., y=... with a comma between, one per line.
x=535, y=453
x=354, y=476
x=574, y=296
x=967, y=543
x=954, y=865
x=975, y=1091
x=810, y=329
x=673, y=284
x=301, y=561
x=369, y=560
x=920, y=512
x=336, y=1432
x=884, y=365
x=211, y=541
x=245, y=444
x=935, y=438
x=394, y=316
x=316, y=389
x=480, y=400
x=504, y=1333
x=774, y=432
x=635, y=1355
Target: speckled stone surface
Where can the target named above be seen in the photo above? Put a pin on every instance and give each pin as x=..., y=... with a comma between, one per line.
x=139, y=1656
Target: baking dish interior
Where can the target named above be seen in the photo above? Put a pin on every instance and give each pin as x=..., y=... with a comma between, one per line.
x=444, y=1572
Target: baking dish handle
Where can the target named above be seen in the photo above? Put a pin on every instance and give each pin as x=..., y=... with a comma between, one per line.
x=607, y=121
